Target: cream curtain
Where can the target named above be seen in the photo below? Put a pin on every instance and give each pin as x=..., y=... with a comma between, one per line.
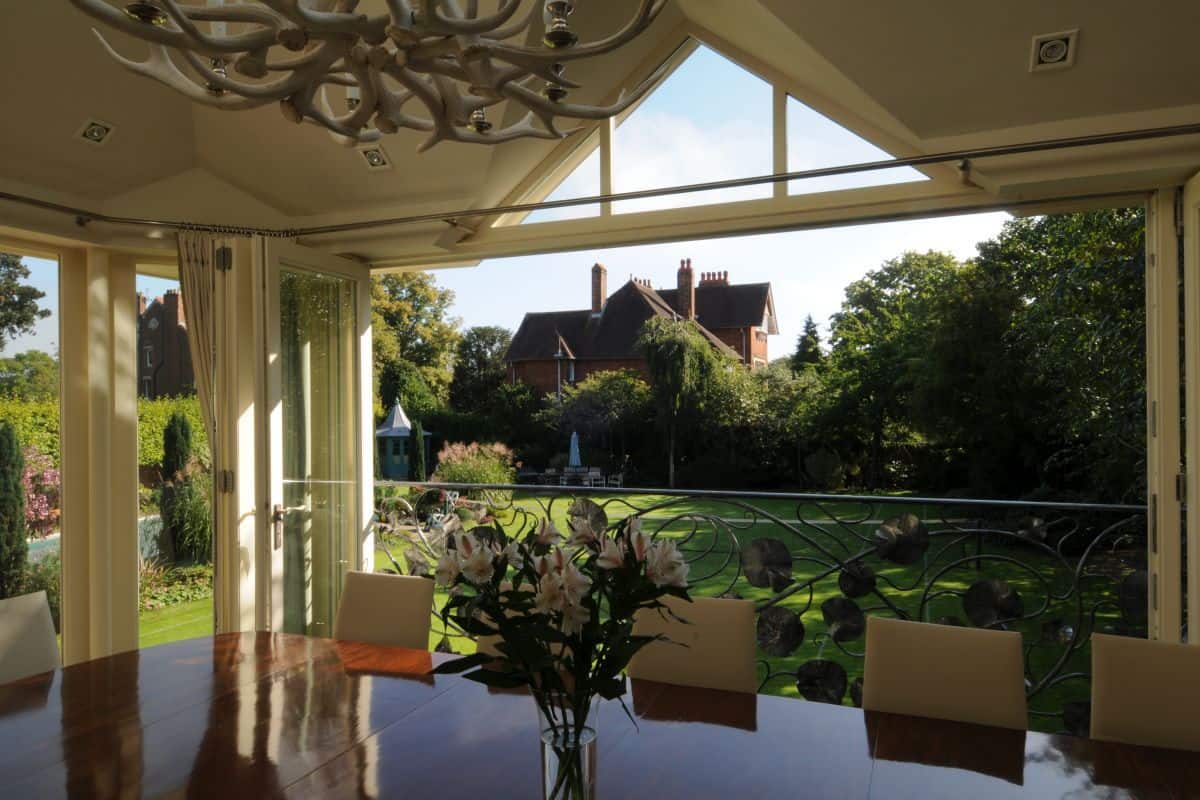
x=198, y=255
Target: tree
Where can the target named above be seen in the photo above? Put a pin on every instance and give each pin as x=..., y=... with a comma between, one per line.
x=32, y=375
x=411, y=322
x=14, y=546
x=680, y=361
x=417, y=457
x=808, y=347
x=479, y=367
x=177, y=446
x=404, y=381
x=19, y=310
x=609, y=407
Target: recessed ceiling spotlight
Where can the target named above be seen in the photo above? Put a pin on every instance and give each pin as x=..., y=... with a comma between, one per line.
x=375, y=157
x=1054, y=50
x=95, y=132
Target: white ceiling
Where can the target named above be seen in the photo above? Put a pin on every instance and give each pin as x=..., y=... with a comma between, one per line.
x=912, y=77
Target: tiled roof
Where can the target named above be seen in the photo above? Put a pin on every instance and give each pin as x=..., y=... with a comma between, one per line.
x=612, y=334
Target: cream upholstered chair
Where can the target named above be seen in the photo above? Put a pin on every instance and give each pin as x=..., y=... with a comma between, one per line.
x=379, y=608
x=945, y=672
x=1145, y=692
x=27, y=642
x=718, y=645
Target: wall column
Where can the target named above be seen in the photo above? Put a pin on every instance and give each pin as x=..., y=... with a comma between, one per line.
x=99, y=445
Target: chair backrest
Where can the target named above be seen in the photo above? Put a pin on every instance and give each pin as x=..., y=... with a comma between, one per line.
x=945, y=672
x=714, y=649
x=385, y=609
x=1145, y=692
x=27, y=642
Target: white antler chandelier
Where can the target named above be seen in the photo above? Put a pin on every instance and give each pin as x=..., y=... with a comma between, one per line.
x=426, y=65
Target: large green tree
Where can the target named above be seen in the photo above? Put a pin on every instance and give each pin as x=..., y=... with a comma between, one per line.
x=681, y=363
x=411, y=322
x=19, y=310
x=609, y=409
x=479, y=367
x=808, y=347
x=32, y=375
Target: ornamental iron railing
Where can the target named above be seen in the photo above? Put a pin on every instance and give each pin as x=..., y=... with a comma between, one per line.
x=816, y=566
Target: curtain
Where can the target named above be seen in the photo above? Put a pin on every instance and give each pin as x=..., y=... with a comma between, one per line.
x=198, y=254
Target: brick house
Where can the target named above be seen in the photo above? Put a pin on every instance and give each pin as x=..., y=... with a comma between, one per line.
x=164, y=360
x=556, y=348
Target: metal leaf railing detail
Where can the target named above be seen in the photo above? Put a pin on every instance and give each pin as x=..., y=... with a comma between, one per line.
x=817, y=566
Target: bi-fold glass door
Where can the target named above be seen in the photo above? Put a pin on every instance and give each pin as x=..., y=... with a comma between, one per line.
x=318, y=403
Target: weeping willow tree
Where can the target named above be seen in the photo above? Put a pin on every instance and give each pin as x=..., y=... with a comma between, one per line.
x=680, y=361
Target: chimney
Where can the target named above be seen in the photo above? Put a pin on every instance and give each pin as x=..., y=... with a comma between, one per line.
x=714, y=278
x=685, y=297
x=173, y=308
x=141, y=301
x=599, y=288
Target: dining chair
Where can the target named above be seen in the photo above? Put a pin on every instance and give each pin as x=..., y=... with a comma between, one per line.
x=947, y=672
x=712, y=649
x=27, y=641
x=1145, y=692
x=391, y=610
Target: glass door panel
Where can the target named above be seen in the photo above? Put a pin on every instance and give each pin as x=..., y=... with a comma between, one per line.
x=318, y=338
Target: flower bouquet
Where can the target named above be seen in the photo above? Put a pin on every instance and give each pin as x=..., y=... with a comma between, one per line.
x=559, y=617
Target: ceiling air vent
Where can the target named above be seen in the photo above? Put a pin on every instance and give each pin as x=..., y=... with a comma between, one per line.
x=95, y=132
x=1054, y=50
x=375, y=157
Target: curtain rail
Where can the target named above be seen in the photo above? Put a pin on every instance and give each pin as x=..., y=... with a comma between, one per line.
x=963, y=157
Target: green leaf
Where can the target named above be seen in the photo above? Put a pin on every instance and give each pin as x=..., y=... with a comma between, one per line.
x=497, y=679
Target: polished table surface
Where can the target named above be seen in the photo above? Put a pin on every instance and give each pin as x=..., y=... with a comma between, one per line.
x=270, y=715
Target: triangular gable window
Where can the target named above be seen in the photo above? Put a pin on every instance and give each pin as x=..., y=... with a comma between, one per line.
x=711, y=120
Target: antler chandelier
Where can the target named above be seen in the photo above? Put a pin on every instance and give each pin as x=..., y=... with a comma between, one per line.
x=427, y=65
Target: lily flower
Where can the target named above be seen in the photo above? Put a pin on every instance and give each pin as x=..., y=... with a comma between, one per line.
x=550, y=597
x=547, y=534
x=575, y=584
x=612, y=554
x=515, y=556
x=638, y=540
x=447, y=569
x=575, y=616
x=582, y=534
x=478, y=567
x=665, y=565
x=466, y=544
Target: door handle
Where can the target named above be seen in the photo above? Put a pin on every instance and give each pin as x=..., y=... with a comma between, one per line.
x=277, y=515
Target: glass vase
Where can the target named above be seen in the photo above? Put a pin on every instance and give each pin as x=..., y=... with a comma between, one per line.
x=568, y=733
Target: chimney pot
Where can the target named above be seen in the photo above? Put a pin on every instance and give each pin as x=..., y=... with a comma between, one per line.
x=685, y=294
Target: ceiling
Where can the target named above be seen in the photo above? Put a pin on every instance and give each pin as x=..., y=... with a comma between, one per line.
x=911, y=77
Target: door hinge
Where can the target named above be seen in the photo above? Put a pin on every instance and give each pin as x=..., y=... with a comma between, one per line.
x=225, y=481
x=1153, y=523
x=224, y=259
x=1181, y=487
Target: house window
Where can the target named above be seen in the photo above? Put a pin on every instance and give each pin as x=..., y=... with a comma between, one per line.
x=149, y=351
x=570, y=372
x=146, y=386
x=397, y=448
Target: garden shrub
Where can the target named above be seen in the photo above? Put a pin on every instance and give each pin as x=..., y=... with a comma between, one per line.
x=14, y=549
x=475, y=463
x=186, y=511
x=42, y=485
x=45, y=575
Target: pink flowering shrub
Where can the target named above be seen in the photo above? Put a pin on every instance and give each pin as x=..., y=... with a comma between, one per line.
x=475, y=463
x=42, y=484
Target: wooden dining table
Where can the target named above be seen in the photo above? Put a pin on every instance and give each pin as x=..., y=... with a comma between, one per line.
x=261, y=715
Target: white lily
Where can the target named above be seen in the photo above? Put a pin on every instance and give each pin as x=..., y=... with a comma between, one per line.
x=665, y=565
x=547, y=534
x=575, y=616
x=575, y=584
x=514, y=555
x=541, y=565
x=612, y=554
x=447, y=569
x=582, y=534
x=638, y=540
x=466, y=544
x=550, y=597
x=478, y=567
x=559, y=560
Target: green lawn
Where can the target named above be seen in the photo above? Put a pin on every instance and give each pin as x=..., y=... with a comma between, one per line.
x=180, y=621
x=838, y=530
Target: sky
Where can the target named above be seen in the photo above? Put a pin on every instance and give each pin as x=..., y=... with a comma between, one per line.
x=679, y=136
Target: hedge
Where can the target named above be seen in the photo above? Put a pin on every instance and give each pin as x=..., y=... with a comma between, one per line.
x=37, y=424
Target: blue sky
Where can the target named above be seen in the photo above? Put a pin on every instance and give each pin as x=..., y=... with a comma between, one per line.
x=682, y=134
